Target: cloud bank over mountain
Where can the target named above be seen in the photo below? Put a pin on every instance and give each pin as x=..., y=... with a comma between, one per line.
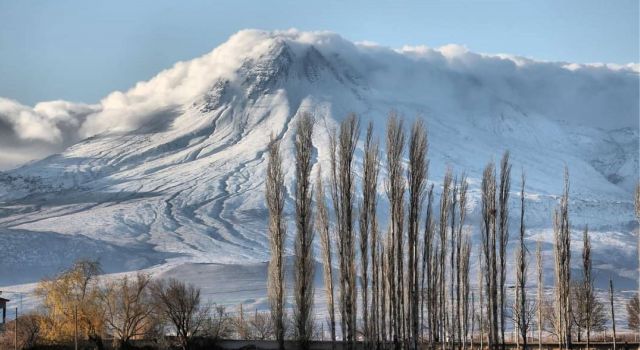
x=599, y=95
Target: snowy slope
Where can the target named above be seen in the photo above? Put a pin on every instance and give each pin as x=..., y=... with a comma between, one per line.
x=171, y=172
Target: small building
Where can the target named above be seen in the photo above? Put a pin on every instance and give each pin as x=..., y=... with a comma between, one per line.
x=3, y=306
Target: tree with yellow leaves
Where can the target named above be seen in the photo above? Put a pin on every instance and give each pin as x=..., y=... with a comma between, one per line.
x=71, y=301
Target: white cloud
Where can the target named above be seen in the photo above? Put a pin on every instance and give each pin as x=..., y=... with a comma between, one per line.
x=27, y=123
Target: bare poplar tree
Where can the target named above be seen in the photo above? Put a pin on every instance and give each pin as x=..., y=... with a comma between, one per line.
x=322, y=224
x=372, y=170
x=481, y=273
x=275, y=197
x=367, y=215
x=395, y=192
x=637, y=205
x=343, y=187
x=460, y=268
x=452, y=319
x=489, y=249
x=587, y=282
x=473, y=320
x=385, y=283
x=375, y=279
x=445, y=201
x=633, y=313
x=562, y=265
x=540, y=296
x=304, y=266
x=503, y=233
x=427, y=267
x=522, y=273
x=417, y=179
x=465, y=255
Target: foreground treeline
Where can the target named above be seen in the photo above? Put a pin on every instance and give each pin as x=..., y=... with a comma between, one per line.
x=408, y=283
x=78, y=305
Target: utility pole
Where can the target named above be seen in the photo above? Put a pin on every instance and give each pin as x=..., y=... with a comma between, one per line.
x=613, y=314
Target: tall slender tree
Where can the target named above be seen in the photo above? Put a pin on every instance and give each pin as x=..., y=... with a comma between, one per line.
x=587, y=281
x=304, y=266
x=637, y=205
x=373, y=155
x=503, y=234
x=395, y=193
x=445, y=202
x=367, y=216
x=522, y=273
x=427, y=268
x=465, y=255
x=322, y=224
x=343, y=187
x=562, y=265
x=489, y=250
x=540, y=295
x=460, y=262
x=452, y=320
x=417, y=179
x=275, y=197
x=481, y=324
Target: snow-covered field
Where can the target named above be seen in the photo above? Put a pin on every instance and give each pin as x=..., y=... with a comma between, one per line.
x=168, y=176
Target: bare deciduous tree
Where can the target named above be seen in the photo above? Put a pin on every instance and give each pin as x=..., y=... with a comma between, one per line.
x=489, y=249
x=342, y=192
x=503, y=234
x=427, y=291
x=462, y=297
x=219, y=324
x=588, y=313
x=562, y=249
x=465, y=255
x=395, y=192
x=370, y=203
x=637, y=205
x=586, y=303
x=417, y=179
x=633, y=312
x=445, y=202
x=521, y=263
x=275, y=197
x=367, y=226
x=128, y=308
x=481, y=319
x=179, y=304
x=540, y=295
x=304, y=265
x=26, y=335
x=322, y=224
x=452, y=320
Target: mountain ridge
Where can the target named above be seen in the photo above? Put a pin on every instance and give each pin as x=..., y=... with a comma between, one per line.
x=174, y=167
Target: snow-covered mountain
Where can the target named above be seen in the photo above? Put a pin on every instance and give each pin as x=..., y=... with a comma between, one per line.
x=171, y=172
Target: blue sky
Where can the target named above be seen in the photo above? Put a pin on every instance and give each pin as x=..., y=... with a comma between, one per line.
x=81, y=51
